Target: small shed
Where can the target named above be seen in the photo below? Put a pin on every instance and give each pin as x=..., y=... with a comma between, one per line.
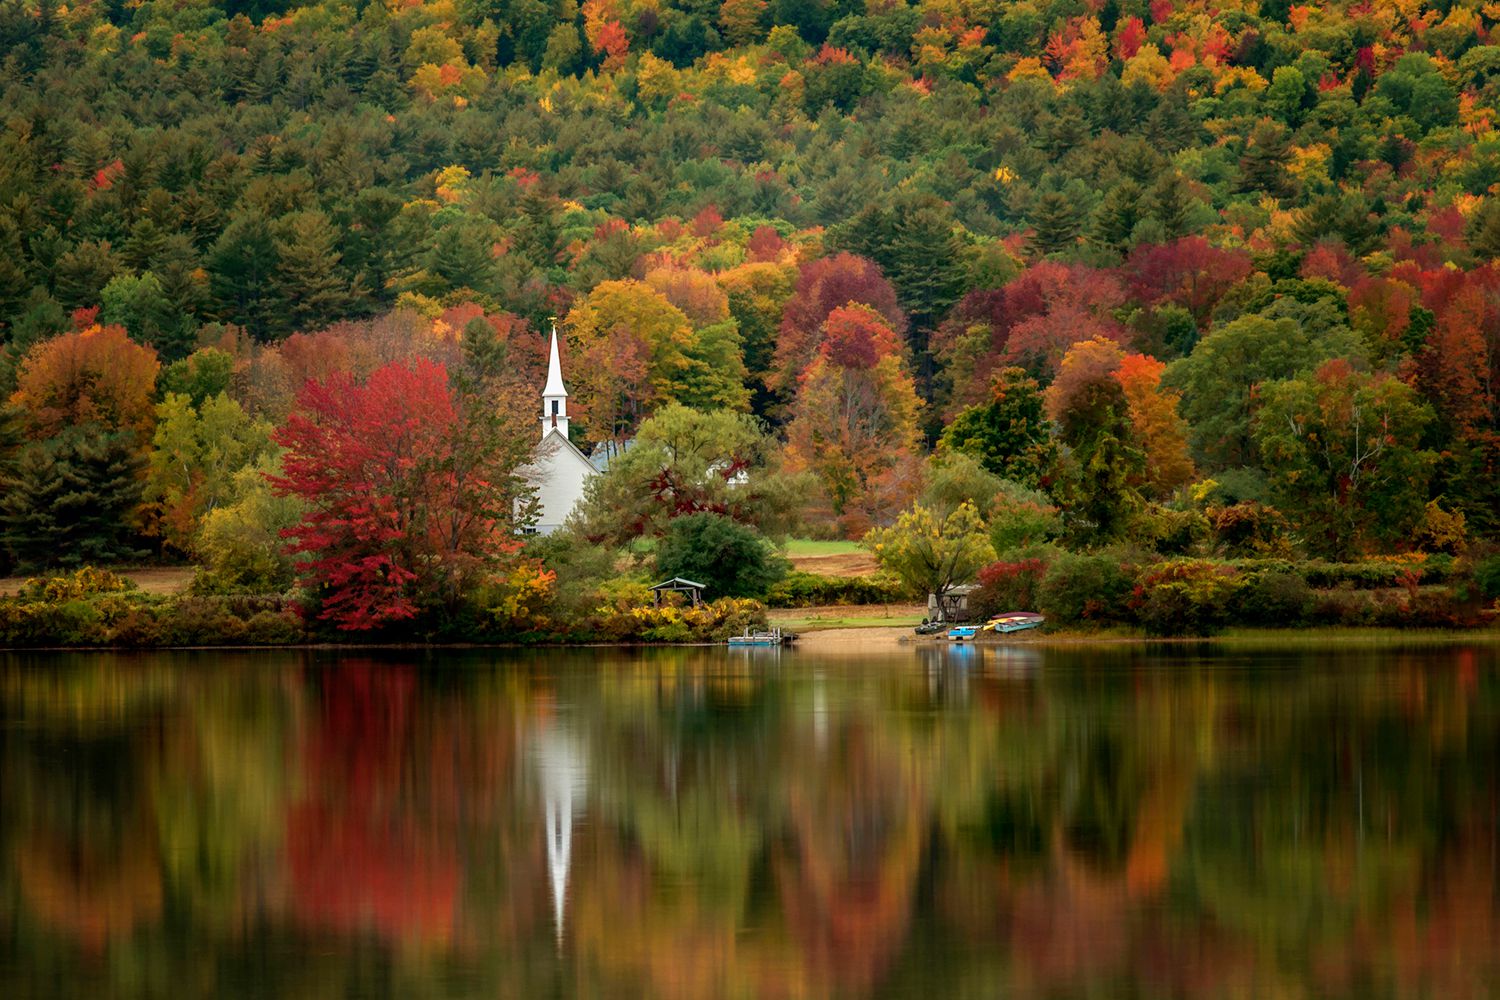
x=954, y=606
x=677, y=585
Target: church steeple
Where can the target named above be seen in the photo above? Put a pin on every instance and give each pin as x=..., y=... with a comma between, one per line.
x=554, y=395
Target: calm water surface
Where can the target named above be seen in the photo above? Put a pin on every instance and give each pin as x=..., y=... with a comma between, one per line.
x=700, y=823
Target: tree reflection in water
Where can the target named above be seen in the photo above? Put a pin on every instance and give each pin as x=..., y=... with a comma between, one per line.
x=690, y=824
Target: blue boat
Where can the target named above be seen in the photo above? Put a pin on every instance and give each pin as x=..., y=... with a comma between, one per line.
x=959, y=633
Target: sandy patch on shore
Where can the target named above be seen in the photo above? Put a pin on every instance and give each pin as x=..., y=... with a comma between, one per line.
x=853, y=640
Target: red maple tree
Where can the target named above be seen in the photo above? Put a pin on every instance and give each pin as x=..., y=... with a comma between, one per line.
x=408, y=488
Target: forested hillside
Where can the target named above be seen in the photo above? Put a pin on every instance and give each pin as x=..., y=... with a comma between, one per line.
x=1113, y=250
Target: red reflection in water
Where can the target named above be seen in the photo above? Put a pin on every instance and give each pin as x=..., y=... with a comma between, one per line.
x=365, y=851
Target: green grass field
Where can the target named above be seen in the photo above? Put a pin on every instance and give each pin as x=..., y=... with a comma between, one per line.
x=799, y=620
x=808, y=547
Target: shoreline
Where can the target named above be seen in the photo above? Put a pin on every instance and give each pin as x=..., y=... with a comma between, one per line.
x=885, y=638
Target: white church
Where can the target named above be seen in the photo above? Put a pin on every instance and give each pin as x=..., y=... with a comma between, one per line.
x=558, y=470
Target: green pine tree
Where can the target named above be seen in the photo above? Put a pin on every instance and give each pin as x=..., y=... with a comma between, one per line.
x=484, y=352
x=243, y=265
x=141, y=306
x=1057, y=221
x=1009, y=435
x=1170, y=204
x=71, y=501
x=310, y=285
x=1263, y=163
x=1117, y=215
x=924, y=260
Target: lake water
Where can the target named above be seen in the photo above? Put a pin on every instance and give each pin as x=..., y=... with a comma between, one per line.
x=926, y=823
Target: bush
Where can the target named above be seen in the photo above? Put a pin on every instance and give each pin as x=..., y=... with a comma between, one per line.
x=1169, y=532
x=1249, y=528
x=1487, y=577
x=83, y=582
x=274, y=628
x=1432, y=607
x=130, y=618
x=1007, y=586
x=1084, y=588
x=1380, y=573
x=1275, y=597
x=729, y=558
x=1020, y=517
x=1185, y=597
x=710, y=622
x=804, y=590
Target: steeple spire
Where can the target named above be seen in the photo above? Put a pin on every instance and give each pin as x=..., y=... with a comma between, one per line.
x=554, y=394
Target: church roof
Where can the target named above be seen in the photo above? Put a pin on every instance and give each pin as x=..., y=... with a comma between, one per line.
x=554, y=371
x=555, y=438
x=607, y=451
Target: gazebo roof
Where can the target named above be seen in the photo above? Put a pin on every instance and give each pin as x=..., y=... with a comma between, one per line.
x=678, y=583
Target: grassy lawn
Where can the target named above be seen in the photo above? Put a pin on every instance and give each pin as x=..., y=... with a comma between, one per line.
x=853, y=616
x=807, y=547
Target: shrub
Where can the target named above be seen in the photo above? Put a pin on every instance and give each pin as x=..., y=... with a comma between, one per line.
x=729, y=558
x=1169, y=532
x=82, y=582
x=1020, y=517
x=1007, y=586
x=1249, y=528
x=1185, y=597
x=1429, y=607
x=710, y=622
x=1487, y=577
x=1378, y=573
x=803, y=590
x=1275, y=597
x=274, y=628
x=1084, y=588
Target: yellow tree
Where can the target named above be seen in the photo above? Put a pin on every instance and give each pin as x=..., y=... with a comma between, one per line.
x=634, y=343
x=931, y=553
x=855, y=420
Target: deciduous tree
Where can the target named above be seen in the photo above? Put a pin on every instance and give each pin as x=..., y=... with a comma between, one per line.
x=931, y=553
x=1009, y=435
x=685, y=461
x=824, y=285
x=1222, y=380
x=855, y=419
x=1104, y=465
x=94, y=376
x=410, y=490
x=197, y=450
x=1343, y=449
x=1160, y=429
x=620, y=319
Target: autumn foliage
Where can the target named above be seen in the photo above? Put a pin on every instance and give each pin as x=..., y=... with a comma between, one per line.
x=94, y=376
x=405, y=497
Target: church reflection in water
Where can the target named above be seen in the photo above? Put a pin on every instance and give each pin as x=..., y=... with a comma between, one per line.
x=691, y=823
